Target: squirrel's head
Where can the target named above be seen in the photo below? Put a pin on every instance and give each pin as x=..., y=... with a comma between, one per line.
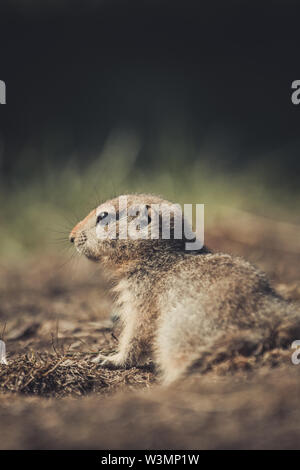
x=130, y=228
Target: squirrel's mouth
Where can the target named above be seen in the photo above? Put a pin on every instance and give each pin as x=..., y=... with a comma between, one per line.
x=80, y=249
x=83, y=249
x=85, y=246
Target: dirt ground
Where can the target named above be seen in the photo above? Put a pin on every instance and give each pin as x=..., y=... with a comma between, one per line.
x=54, y=316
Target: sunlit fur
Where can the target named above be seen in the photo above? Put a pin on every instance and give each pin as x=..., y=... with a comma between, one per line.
x=179, y=307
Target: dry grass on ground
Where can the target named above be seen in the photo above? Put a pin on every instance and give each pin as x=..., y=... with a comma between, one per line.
x=54, y=319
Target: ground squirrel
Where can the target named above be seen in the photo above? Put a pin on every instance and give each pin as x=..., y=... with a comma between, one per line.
x=178, y=306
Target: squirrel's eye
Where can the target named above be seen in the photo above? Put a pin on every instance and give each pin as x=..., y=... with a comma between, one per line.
x=101, y=216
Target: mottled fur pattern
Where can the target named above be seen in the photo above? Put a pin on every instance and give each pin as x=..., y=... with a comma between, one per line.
x=180, y=307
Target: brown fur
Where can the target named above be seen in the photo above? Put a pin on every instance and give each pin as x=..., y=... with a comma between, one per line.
x=181, y=307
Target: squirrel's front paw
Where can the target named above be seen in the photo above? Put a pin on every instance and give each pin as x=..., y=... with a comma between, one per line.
x=109, y=361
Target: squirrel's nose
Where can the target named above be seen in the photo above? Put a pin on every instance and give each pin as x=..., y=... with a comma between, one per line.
x=72, y=237
x=78, y=227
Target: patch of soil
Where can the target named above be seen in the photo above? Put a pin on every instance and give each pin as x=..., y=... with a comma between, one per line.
x=54, y=320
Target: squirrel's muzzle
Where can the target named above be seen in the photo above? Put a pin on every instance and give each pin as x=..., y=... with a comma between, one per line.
x=81, y=225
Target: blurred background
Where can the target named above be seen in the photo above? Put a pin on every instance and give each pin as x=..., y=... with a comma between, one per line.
x=191, y=100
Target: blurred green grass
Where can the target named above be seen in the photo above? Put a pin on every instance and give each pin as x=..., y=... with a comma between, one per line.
x=36, y=214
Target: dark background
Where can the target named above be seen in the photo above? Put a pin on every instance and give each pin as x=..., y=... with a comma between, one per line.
x=76, y=70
